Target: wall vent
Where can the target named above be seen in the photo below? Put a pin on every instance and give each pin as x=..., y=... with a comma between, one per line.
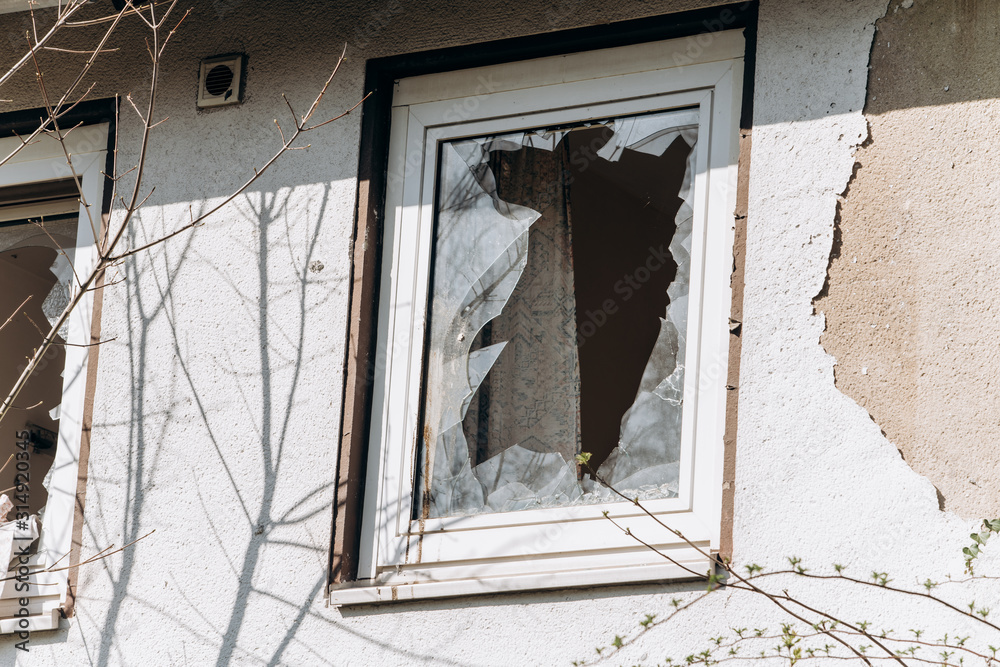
x=221, y=81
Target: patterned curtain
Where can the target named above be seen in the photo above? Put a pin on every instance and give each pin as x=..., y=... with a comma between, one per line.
x=531, y=396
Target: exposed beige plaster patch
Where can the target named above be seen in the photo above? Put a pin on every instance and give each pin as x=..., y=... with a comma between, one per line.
x=913, y=296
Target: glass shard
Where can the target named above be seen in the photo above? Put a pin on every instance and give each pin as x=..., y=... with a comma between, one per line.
x=33, y=264
x=558, y=315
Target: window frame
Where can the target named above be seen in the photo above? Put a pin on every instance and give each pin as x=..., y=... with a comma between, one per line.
x=463, y=566
x=696, y=27
x=43, y=160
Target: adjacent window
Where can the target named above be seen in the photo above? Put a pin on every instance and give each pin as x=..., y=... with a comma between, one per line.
x=47, y=232
x=555, y=277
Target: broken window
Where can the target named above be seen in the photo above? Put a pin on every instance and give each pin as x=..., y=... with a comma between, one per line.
x=554, y=279
x=36, y=277
x=35, y=272
x=558, y=315
x=48, y=216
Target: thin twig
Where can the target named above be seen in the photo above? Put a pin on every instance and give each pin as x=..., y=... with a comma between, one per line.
x=16, y=311
x=71, y=8
x=258, y=172
x=923, y=595
x=772, y=598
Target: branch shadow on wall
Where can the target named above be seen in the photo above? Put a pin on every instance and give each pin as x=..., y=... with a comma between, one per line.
x=246, y=498
x=259, y=480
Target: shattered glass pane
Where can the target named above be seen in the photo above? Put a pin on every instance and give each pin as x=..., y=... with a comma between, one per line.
x=33, y=263
x=558, y=315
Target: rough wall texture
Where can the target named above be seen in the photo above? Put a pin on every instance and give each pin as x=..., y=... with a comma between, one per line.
x=912, y=305
x=216, y=413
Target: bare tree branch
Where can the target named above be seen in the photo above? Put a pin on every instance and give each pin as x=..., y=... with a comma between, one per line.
x=16, y=311
x=72, y=7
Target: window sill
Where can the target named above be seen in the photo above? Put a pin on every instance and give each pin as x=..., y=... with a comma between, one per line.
x=48, y=619
x=399, y=587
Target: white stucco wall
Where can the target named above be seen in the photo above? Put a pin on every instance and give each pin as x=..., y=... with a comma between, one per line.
x=218, y=402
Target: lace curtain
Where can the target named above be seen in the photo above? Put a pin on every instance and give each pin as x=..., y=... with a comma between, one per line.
x=502, y=399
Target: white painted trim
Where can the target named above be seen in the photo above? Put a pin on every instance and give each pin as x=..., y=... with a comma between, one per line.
x=11, y=6
x=38, y=210
x=45, y=160
x=552, y=547
x=47, y=620
x=369, y=592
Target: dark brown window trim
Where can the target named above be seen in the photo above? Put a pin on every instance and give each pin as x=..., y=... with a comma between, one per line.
x=380, y=74
x=34, y=193
x=22, y=123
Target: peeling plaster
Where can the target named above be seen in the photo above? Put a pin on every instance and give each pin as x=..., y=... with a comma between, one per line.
x=911, y=306
x=793, y=421
x=181, y=407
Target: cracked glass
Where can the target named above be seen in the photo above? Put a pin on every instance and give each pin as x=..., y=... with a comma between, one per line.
x=557, y=316
x=37, y=279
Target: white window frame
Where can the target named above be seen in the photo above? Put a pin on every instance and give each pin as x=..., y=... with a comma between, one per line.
x=559, y=547
x=11, y=6
x=44, y=160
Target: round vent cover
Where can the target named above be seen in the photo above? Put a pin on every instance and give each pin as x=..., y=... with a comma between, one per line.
x=218, y=80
